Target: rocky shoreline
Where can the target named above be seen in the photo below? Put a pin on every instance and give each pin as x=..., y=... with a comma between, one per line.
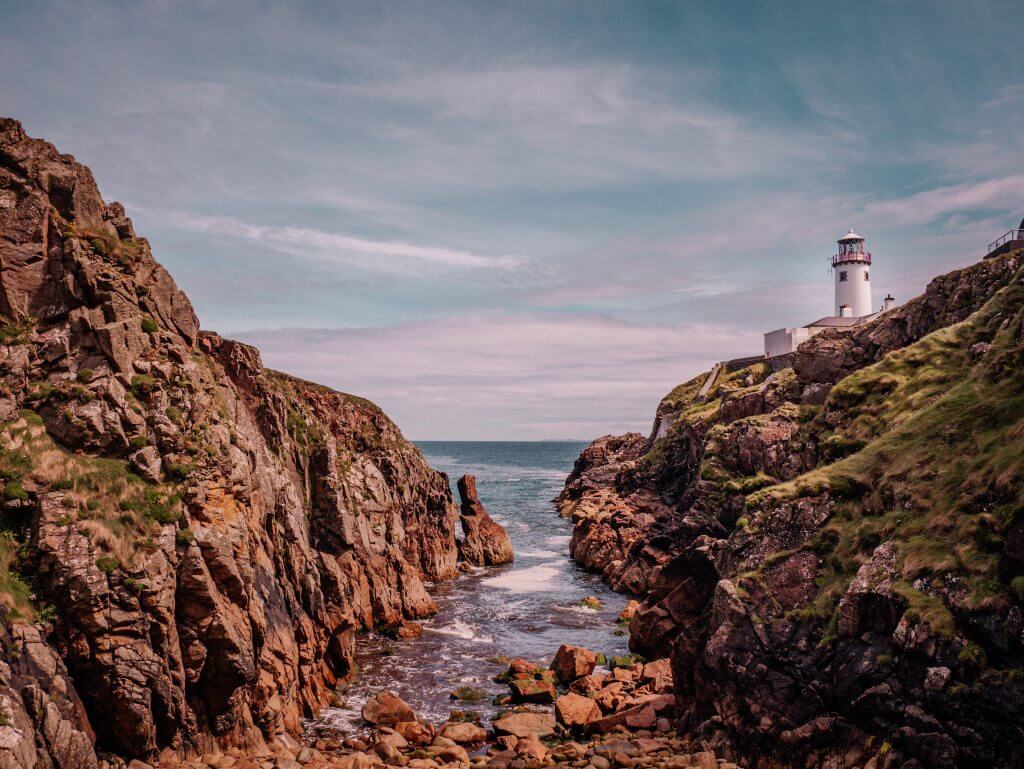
x=827, y=593
x=571, y=714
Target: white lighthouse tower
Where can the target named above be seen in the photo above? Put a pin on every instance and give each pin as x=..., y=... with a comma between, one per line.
x=852, y=268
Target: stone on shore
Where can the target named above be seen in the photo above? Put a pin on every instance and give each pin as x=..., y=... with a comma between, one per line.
x=463, y=732
x=530, y=690
x=386, y=709
x=576, y=710
x=416, y=732
x=524, y=724
x=637, y=717
x=572, y=662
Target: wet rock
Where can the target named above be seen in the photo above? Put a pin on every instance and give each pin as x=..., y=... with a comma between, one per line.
x=387, y=709
x=485, y=542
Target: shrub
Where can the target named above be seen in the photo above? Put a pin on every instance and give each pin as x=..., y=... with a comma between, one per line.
x=1017, y=586
x=132, y=585
x=179, y=471
x=138, y=441
x=84, y=375
x=108, y=564
x=173, y=413
x=14, y=490
x=142, y=384
x=184, y=537
x=149, y=325
x=155, y=506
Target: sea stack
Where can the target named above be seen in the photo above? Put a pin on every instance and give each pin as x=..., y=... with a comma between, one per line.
x=485, y=542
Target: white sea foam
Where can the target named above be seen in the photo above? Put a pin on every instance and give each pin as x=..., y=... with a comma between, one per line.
x=535, y=579
x=539, y=553
x=558, y=539
x=460, y=629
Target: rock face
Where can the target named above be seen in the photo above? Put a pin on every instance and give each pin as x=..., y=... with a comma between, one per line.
x=485, y=542
x=207, y=536
x=831, y=554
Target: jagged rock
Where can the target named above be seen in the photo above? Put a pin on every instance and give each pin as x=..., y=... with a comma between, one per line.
x=146, y=462
x=572, y=662
x=575, y=710
x=637, y=717
x=386, y=709
x=810, y=621
x=227, y=618
x=485, y=542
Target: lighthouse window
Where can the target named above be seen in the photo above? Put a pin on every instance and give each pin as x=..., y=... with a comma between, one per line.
x=866, y=275
x=842, y=277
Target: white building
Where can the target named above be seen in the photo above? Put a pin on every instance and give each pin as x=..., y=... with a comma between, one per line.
x=851, y=268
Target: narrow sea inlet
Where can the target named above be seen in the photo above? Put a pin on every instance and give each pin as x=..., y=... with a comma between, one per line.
x=527, y=609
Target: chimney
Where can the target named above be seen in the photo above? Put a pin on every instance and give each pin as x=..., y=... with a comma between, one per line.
x=888, y=303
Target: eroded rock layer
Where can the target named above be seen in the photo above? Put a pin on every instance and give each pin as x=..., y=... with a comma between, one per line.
x=831, y=554
x=198, y=537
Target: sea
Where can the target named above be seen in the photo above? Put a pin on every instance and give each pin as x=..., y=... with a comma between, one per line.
x=526, y=609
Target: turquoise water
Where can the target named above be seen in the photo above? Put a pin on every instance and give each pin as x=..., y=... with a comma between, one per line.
x=526, y=609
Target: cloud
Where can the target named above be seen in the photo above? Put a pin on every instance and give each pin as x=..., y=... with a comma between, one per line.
x=494, y=376
x=928, y=205
x=318, y=244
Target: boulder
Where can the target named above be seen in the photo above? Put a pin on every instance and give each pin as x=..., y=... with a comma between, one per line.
x=637, y=717
x=416, y=732
x=523, y=724
x=658, y=675
x=485, y=542
x=387, y=709
x=572, y=662
x=146, y=462
x=531, y=748
x=532, y=690
x=576, y=710
x=463, y=732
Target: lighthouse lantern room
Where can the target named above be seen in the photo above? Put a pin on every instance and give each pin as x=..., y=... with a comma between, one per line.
x=852, y=269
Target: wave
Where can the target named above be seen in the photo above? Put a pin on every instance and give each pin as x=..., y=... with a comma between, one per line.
x=535, y=579
x=540, y=554
x=459, y=629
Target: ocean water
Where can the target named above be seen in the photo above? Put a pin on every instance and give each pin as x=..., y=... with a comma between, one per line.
x=527, y=609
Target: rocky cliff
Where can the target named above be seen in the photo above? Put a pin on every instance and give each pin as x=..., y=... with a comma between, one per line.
x=190, y=541
x=833, y=554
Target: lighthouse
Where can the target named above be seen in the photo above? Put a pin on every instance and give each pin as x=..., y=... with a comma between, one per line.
x=851, y=266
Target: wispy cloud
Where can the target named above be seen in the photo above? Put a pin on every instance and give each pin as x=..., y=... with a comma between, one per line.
x=319, y=244
x=928, y=205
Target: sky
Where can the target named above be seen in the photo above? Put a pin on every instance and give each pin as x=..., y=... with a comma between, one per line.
x=528, y=220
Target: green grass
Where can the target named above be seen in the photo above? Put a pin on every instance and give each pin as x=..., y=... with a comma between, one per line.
x=929, y=452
